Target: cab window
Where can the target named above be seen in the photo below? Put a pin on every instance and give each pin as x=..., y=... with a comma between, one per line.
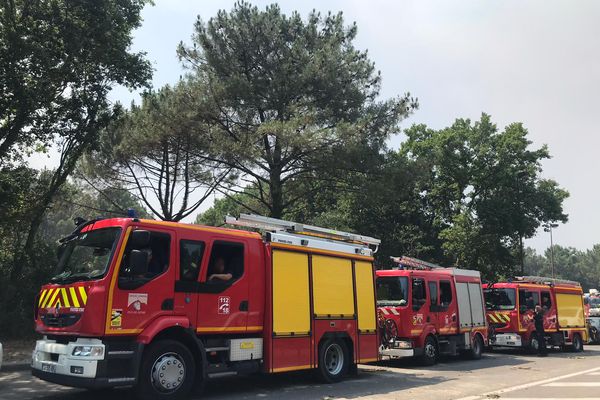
x=546, y=300
x=528, y=300
x=445, y=293
x=226, y=263
x=143, y=264
x=419, y=294
x=190, y=259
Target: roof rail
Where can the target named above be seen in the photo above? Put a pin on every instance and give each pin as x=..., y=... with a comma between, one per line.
x=274, y=224
x=545, y=280
x=415, y=263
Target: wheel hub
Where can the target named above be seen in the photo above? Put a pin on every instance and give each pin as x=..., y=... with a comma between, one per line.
x=334, y=359
x=168, y=372
x=430, y=350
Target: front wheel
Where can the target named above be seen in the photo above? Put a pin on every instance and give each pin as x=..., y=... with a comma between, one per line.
x=334, y=360
x=534, y=344
x=167, y=371
x=594, y=336
x=430, y=352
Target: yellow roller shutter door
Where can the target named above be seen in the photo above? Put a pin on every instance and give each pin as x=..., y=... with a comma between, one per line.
x=291, y=301
x=333, y=294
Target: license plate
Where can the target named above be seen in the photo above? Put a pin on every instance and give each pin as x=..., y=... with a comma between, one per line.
x=49, y=368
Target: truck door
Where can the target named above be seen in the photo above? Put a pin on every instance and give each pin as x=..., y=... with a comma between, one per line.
x=549, y=311
x=191, y=256
x=419, y=311
x=528, y=299
x=223, y=288
x=448, y=323
x=139, y=296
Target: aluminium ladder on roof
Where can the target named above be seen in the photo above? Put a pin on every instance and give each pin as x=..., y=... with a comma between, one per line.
x=289, y=232
x=415, y=263
x=546, y=280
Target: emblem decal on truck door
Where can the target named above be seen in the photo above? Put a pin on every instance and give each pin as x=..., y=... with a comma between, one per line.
x=417, y=319
x=224, y=305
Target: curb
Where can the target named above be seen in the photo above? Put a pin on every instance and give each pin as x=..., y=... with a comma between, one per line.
x=16, y=366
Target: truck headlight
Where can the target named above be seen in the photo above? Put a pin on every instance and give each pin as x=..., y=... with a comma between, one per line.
x=88, y=351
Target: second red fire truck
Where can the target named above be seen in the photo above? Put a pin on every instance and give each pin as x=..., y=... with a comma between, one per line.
x=426, y=310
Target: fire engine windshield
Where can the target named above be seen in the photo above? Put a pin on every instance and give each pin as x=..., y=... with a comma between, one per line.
x=499, y=299
x=86, y=256
x=392, y=291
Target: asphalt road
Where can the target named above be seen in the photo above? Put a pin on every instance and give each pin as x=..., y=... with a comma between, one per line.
x=500, y=374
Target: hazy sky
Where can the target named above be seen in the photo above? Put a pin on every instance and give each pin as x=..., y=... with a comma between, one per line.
x=536, y=62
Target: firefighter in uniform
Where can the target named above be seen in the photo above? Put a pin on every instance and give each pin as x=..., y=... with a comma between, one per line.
x=539, y=330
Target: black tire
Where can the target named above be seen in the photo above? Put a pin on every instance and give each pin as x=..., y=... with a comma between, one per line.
x=533, y=344
x=334, y=360
x=594, y=336
x=476, y=348
x=577, y=346
x=176, y=361
x=430, y=352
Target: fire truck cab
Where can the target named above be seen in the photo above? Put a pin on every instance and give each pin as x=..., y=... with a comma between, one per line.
x=163, y=306
x=510, y=308
x=425, y=310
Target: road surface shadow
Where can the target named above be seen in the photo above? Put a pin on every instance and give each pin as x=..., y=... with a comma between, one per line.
x=293, y=385
x=490, y=359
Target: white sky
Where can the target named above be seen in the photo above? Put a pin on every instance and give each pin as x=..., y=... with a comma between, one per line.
x=536, y=62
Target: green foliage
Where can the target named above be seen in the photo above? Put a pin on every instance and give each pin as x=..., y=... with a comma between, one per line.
x=156, y=150
x=287, y=99
x=483, y=191
x=582, y=266
x=58, y=60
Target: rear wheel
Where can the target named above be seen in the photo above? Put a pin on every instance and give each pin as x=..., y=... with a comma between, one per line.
x=577, y=345
x=167, y=371
x=476, y=348
x=430, y=351
x=334, y=360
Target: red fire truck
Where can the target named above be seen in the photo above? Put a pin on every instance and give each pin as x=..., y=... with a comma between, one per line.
x=510, y=308
x=425, y=310
x=163, y=306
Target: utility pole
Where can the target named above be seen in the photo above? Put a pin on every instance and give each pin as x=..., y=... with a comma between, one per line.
x=548, y=228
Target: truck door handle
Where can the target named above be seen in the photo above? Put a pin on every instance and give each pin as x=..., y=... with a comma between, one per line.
x=453, y=318
x=428, y=319
x=244, y=305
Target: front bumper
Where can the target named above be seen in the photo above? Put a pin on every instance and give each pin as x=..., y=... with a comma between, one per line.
x=117, y=366
x=398, y=348
x=506, y=340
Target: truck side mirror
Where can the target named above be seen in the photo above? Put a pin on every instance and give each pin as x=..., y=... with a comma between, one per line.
x=138, y=260
x=139, y=239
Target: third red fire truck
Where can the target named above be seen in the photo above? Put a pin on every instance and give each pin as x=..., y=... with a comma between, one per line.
x=426, y=310
x=510, y=309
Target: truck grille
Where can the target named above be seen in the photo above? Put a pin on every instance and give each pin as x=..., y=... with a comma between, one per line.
x=60, y=320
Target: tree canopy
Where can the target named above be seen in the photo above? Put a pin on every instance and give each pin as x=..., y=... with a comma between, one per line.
x=287, y=100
